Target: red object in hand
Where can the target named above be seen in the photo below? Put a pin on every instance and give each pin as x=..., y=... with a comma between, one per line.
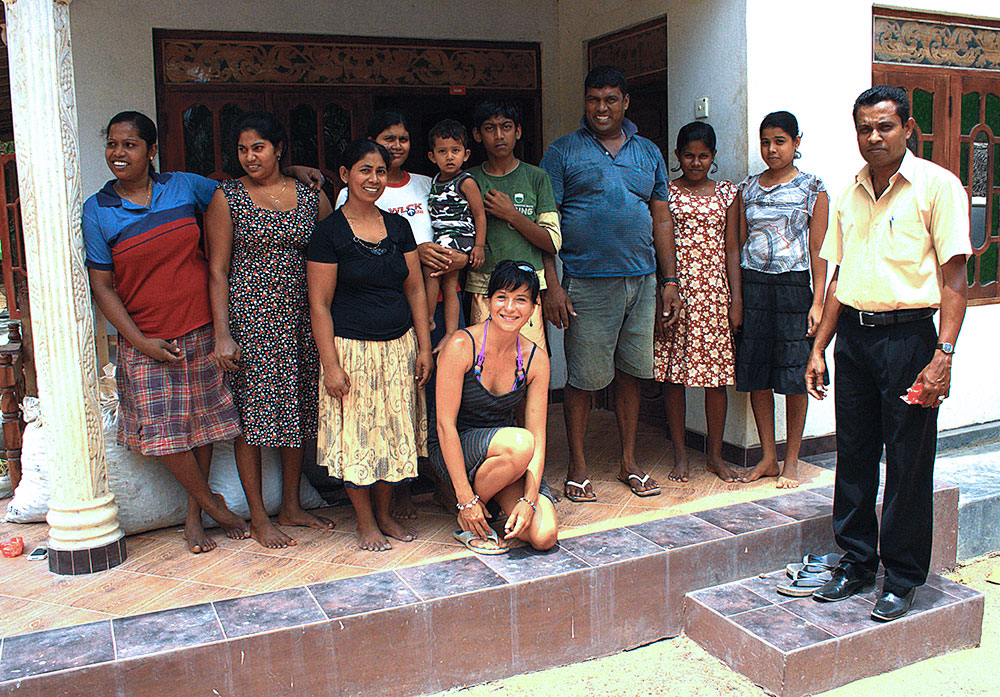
x=12, y=548
x=912, y=395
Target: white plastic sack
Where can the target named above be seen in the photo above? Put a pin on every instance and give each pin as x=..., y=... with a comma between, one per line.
x=31, y=500
x=147, y=495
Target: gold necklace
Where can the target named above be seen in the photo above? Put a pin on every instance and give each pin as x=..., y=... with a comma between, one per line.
x=275, y=199
x=149, y=193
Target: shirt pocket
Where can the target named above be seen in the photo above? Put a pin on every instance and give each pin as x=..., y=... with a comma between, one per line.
x=907, y=244
x=638, y=180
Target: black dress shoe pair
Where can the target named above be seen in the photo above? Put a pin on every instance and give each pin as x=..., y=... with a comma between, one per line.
x=845, y=582
x=890, y=606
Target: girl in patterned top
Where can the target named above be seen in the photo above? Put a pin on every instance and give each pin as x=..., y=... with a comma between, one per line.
x=258, y=227
x=697, y=350
x=783, y=216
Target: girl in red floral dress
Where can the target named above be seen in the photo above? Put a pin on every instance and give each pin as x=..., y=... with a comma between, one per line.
x=697, y=351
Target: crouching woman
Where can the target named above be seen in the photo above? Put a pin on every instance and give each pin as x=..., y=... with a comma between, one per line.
x=483, y=374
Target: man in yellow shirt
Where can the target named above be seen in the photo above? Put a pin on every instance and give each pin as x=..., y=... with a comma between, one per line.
x=898, y=240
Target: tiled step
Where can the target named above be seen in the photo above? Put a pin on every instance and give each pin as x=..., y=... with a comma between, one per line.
x=798, y=646
x=592, y=595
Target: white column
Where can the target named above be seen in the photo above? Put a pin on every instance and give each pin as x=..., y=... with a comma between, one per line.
x=82, y=512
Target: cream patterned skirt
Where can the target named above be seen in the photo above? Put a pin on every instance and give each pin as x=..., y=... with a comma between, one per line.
x=381, y=427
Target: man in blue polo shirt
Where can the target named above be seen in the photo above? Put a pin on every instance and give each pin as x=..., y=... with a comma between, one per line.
x=611, y=189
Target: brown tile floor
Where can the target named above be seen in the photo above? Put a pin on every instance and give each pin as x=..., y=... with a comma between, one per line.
x=160, y=574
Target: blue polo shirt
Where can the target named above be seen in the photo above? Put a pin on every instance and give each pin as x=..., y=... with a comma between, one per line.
x=604, y=202
x=154, y=253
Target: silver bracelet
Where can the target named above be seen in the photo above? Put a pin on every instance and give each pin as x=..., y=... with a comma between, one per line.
x=470, y=504
x=534, y=506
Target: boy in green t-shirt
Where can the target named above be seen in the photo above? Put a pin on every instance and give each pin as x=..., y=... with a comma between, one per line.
x=521, y=216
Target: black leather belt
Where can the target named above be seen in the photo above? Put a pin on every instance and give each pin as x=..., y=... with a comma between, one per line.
x=889, y=318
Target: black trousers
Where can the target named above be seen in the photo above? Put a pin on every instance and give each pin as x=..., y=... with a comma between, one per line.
x=874, y=367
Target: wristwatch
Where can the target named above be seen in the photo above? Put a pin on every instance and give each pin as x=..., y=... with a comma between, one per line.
x=946, y=348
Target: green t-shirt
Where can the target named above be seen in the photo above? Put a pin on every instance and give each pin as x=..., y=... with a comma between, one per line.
x=530, y=190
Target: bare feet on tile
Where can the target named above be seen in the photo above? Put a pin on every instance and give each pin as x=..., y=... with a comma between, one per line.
x=304, y=519
x=269, y=536
x=391, y=527
x=402, y=505
x=789, y=477
x=371, y=538
x=764, y=468
x=198, y=540
x=235, y=527
x=720, y=469
x=680, y=471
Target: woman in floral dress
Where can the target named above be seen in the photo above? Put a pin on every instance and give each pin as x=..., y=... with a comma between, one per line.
x=697, y=351
x=258, y=228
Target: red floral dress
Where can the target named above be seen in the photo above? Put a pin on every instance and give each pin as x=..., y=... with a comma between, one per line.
x=698, y=349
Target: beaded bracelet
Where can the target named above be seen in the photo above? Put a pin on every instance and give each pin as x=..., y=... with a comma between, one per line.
x=534, y=506
x=670, y=281
x=470, y=504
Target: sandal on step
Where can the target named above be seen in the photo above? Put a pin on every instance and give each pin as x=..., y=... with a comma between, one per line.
x=814, y=564
x=581, y=494
x=467, y=538
x=638, y=485
x=803, y=585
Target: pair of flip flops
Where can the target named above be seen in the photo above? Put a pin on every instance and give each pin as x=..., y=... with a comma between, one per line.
x=639, y=488
x=467, y=537
x=808, y=575
x=577, y=491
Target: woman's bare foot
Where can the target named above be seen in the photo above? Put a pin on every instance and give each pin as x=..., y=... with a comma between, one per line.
x=789, y=477
x=371, y=538
x=269, y=536
x=445, y=498
x=197, y=540
x=679, y=472
x=720, y=469
x=304, y=519
x=402, y=505
x=394, y=529
x=235, y=527
x=764, y=468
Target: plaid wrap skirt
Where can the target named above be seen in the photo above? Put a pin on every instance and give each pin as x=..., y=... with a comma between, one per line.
x=166, y=408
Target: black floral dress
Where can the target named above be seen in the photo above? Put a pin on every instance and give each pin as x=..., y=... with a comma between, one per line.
x=277, y=385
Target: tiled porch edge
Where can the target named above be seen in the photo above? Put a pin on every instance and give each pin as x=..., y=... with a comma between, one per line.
x=427, y=628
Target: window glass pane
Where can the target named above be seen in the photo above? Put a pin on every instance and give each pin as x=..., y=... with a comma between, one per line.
x=971, y=265
x=963, y=165
x=229, y=116
x=980, y=163
x=996, y=165
x=923, y=110
x=970, y=112
x=336, y=134
x=912, y=142
x=928, y=150
x=199, y=141
x=302, y=135
x=993, y=114
x=995, y=224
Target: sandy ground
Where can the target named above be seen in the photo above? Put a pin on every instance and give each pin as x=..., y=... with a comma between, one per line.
x=679, y=667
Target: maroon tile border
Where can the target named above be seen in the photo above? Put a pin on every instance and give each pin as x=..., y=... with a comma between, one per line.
x=75, y=562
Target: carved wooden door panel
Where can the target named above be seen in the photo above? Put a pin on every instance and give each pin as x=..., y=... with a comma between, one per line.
x=320, y=124
x=196, y=130
x=929, y=99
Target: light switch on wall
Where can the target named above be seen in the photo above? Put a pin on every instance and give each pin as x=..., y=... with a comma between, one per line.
x=701, y=108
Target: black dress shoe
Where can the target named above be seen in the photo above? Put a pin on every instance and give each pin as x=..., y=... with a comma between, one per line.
x=845, y=583
x=890, y=606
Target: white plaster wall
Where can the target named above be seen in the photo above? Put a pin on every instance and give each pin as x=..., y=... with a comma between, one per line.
x=113, y=52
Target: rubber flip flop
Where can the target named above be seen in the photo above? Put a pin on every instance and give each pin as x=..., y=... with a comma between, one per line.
x=814, y=564
x=467, y=536
x=803, y=585
x=582, y=497
x=642, y=482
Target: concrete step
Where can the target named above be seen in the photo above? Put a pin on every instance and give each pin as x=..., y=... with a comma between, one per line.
x=798, y=646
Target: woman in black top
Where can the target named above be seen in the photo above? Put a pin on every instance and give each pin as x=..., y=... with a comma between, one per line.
x=484, y=372
x=369, y=317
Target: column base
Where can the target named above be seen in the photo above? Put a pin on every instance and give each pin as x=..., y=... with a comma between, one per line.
x=73, y=562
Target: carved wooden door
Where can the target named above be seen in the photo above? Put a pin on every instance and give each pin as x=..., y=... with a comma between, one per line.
x=320, y=123
x=929, y=98
x=196, y=130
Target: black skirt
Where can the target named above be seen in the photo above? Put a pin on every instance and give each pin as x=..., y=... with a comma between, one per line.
x=773, y=349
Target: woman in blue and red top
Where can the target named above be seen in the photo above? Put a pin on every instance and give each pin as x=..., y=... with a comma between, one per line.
x=149, y=276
